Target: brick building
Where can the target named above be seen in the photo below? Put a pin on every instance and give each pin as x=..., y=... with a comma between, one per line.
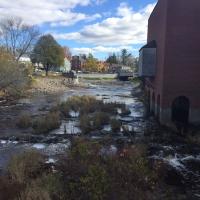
x=170, y=62
x=77, y=63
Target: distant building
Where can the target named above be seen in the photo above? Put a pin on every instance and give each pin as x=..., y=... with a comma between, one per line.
x=77, y=63
x=115, y=68
x=170, y=62
x=67, y=66
x=25, y=60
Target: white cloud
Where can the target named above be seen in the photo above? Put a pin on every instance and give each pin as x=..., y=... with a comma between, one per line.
x=100, y=49
x=128, y=27
x=57, y=12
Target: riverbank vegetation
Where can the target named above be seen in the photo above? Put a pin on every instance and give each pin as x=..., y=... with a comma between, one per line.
x=14, y=77
x=93, y=114
x=85, y=172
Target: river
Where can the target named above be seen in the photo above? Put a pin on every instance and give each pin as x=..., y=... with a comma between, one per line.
x=182, y=159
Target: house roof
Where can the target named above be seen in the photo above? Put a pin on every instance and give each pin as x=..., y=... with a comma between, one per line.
x=151, y=44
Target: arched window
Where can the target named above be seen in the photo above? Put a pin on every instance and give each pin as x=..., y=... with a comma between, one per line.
x=180, y=110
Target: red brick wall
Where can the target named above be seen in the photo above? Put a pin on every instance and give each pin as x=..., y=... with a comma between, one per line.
x=175, y=25
x=182, y=52
x=156, y=31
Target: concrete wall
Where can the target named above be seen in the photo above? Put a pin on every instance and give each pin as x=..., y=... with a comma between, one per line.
x=97, y=76
x=147, y=62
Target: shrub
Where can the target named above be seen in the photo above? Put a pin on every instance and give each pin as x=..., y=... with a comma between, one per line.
x=89, y=104
x=34, y=192
x=193, y=139
x=125, y=111
x=110, y=108
x=9, y=189
x=84, y=173
x=65, y=109
x=89, y=175
x=100, y=119
x=115, y=125
x=45, y=124
x=25, y=166
x=95, y=183
x=24, y=121
x=85, y=124
x=13, y=76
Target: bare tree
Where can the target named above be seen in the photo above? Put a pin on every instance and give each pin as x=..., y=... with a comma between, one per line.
x=18, y=38
x=67, y=52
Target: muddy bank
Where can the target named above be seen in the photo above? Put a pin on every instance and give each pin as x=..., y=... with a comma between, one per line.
x=48, y=85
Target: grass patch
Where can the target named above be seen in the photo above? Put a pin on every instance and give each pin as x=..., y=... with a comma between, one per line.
x=115, y=125
x=88, y=105
x=24, y=121
x=94, y=113
x=93, y=122
x=47, y=123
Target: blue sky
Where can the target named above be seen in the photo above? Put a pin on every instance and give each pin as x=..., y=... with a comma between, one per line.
x=87, y=26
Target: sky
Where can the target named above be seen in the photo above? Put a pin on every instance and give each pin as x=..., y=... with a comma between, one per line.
x=99, y=27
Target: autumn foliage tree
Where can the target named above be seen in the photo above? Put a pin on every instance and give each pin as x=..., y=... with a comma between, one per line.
x=91, y=64
x=13, y=76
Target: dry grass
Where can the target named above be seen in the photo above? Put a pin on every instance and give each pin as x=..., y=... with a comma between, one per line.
x=25, y=166
x=115, y=125
x=24, y=121
x=45, y=124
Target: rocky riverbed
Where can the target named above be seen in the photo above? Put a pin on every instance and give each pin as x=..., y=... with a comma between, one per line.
x=181, y=159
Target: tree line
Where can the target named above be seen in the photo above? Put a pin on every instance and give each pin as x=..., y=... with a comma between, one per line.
x=17, y=39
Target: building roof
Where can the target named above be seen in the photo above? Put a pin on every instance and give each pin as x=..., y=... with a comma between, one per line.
x=151, y=44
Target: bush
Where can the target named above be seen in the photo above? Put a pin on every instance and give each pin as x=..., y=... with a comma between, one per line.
x=45, y=124
x=24, y=121
x=9, y=189
x=88, y=105
x=115, y=125
x=34, y=192
x=193, y=139
x=84, y=173
x=94, y=122
x=85, y=124
x=25, y=166
x=125, y=111
x=65, y=109
x=89, y=175
x=100, y=119
x=95, y=183
x=13, y=76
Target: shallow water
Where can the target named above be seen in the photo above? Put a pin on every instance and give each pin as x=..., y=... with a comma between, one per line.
x=186, y=163
x=110, y=92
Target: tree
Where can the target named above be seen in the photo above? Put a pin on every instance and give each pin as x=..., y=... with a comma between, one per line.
x=17, y=37
x=48, y=52
x=91, y=64
x=13, y=76
x=125, y=56
x=67, y=53
x=112, y=59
